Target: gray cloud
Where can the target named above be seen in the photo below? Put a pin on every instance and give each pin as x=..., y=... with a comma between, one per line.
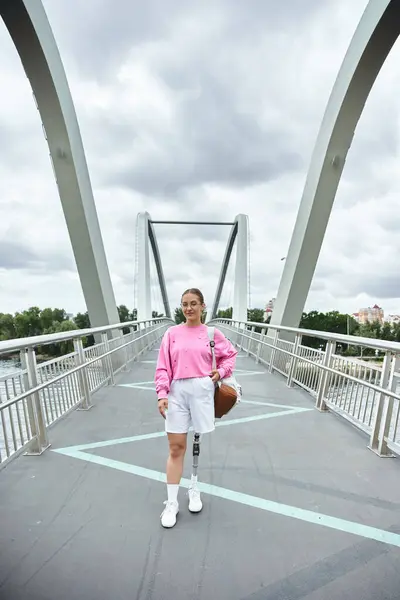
x=201, y=111
x=114, y=29
x=18, y=256
x=110, y=28
x=382, y=286
x=374, y=143
x=213, y=143
x=26, y=156
x=196, y=234
x=212, y=139
x=390, y=220
x=14, y=255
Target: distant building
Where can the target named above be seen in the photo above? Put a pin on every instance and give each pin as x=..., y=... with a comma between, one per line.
x=269, y=308
x=392, y=319
x=369, y=315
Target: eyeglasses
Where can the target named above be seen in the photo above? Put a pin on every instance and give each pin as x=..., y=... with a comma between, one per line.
x=191, y=304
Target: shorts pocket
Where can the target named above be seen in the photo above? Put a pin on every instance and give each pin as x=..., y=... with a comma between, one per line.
x=207, y=383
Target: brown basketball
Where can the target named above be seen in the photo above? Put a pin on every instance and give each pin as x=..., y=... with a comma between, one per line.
x=224, y=400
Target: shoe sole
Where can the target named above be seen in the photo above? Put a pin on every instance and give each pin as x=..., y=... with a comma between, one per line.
x=195, y=510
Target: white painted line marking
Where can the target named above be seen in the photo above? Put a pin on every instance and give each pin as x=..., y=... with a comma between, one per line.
x=148, y=436
x=286, y=510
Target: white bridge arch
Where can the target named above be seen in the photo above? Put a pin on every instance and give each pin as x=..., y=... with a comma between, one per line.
x=373, y=39
x=29, y=28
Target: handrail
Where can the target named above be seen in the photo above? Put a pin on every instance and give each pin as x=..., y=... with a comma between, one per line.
x=73, y=334
x=351, y=340
x=70, y=372
x=35, y=398
x=322, y=367
x=366, y=395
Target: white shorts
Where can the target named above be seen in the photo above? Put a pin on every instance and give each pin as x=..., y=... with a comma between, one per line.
x=191, y=403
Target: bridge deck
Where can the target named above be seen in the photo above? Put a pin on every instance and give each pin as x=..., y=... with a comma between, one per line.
x=294, y=504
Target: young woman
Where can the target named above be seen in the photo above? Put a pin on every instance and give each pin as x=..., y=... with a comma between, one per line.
x=185, y=384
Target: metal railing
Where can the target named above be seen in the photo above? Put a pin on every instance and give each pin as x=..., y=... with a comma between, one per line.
x=37, y=396
x=366, y=394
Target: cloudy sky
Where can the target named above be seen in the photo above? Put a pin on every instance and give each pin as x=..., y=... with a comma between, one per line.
x=204, y=110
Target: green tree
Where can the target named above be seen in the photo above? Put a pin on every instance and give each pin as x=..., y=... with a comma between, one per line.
x=27, y=323
x=82, y=320
x=396, y=332
x=7, y=327
x=123, y=313
x=124, y=317
x=387, y=332
x=225, y=313
x=48, y=316
x=369, y=330
x=255, y=315
x=179, y=316
x=333, y=322
x=59, y=348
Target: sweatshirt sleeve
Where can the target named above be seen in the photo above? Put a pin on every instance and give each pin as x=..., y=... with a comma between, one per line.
x=225, y=354
x=163, y=374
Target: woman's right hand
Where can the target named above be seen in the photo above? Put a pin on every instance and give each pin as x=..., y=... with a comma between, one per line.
x=163, y=406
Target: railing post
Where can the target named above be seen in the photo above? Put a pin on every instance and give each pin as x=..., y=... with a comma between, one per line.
x=387, y=414
x=82, y=376
x=320, y=403
x=130, y=347
x=294, y=359
x=236, y=326
x=262, y=334
x=250, y=339
x=143, y=340
x=37, y=421
x=147, y=339
x=108, y=359
x=377, y=424
x=243, y=331
x=125, y=350
x=273, y=350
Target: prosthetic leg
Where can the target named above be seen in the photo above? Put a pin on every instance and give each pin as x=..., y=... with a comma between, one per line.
x=196, y=454
x=195, y=504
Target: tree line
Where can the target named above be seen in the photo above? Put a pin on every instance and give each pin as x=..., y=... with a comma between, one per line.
x=336, y=322
x=332, y=322
x=35, y=321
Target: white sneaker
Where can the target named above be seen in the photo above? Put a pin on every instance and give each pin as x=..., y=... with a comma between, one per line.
x=195, y=503
x=168, y=515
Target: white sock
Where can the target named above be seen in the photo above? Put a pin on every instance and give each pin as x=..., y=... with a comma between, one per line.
x=194, y=479
x=172, y=489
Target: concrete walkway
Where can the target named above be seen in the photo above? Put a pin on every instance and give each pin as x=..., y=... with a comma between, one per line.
x=295, y=506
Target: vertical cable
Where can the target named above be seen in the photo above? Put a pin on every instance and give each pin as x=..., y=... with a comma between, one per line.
x=136, y=264
x=248, y=258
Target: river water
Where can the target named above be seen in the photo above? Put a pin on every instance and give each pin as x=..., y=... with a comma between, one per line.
x=9, y=366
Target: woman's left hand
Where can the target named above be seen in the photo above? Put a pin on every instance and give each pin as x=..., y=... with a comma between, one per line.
x=215, y=375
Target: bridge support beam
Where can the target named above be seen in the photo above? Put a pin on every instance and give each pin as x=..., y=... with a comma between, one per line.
x=374, y=37
x=241, y=289
x=30, y=30
x=239, y=233
x=143, y=275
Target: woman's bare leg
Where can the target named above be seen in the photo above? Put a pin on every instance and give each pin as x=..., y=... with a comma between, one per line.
x=177, y=449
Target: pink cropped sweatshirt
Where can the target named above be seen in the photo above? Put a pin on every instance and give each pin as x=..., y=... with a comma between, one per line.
x=185, y=352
